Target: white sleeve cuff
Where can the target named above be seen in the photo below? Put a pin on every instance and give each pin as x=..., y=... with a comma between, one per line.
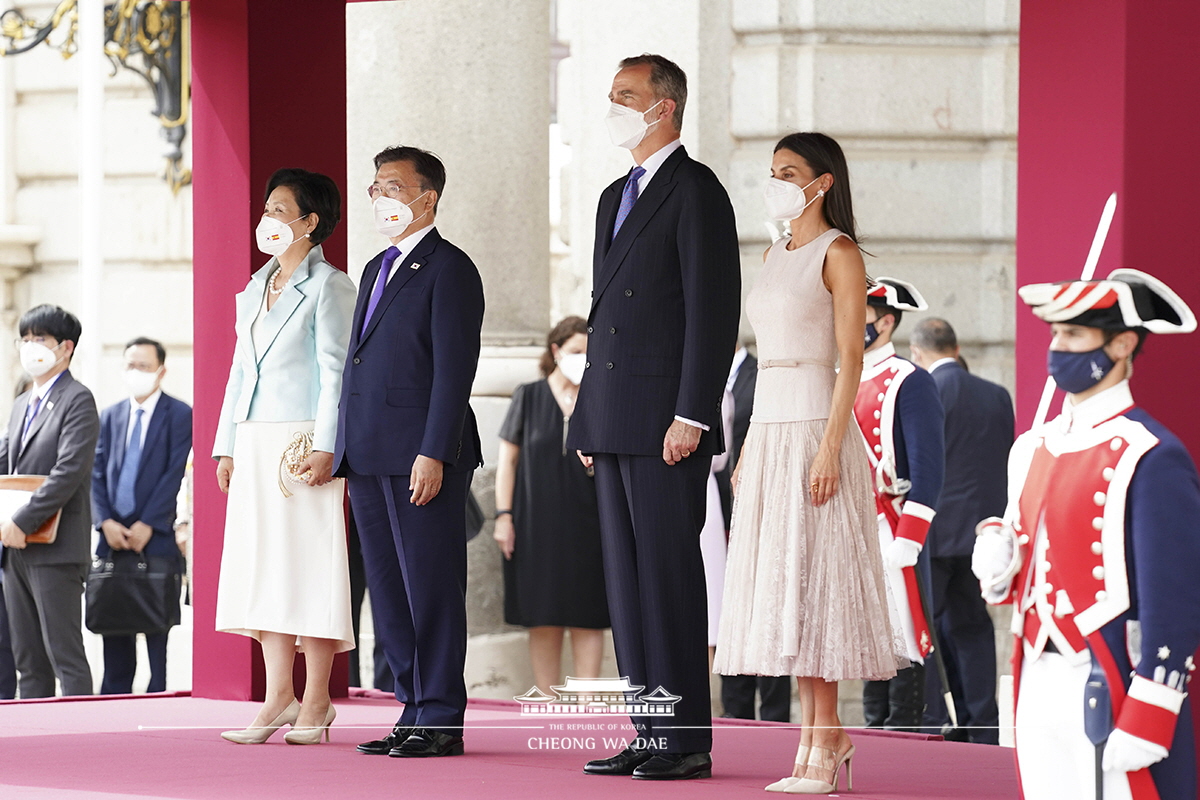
x=693, y=423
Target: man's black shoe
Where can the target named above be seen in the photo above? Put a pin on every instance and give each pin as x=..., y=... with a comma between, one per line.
x=381, y=747
x=675, y=767
x=428, y=743
x=623, y=763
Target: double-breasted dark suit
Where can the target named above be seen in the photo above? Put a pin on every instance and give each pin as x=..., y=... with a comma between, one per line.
x=168, y=440
x=43, y=582
x=406, y=392
x=978, y=435
x=663, y=326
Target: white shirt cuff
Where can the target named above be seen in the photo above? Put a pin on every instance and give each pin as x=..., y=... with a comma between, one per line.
x=693, y=423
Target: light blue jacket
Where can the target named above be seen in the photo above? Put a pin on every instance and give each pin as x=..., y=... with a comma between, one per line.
x=298, y=376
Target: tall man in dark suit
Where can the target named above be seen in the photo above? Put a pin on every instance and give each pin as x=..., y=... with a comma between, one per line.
x=663, y=325
x=140, y=461
x=407, y=443
x=978, y=435
x=52, y=431
x=738, y=691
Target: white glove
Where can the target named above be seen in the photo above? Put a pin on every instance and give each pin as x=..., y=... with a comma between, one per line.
x=995, y=544
x=1128, y=753
x=901, y=553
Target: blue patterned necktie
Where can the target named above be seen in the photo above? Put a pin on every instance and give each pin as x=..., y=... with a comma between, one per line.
x=389, y=257
x=126, y=502
x=628, y=197
x=32, y=412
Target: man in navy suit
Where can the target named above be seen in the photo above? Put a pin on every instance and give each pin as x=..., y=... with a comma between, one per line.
x=407, y=444
x=141, y=457
x=978, y=435
x=663, y=328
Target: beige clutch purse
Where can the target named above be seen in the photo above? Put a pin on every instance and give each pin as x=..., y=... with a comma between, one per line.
x=294, y=455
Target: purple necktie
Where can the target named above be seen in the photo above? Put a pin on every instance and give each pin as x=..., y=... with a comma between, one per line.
x=628, y=197
x=389, y=257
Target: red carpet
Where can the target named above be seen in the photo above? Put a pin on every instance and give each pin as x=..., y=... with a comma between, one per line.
x=168, y=747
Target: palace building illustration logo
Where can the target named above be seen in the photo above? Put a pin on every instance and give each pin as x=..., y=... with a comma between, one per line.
x=598, y=696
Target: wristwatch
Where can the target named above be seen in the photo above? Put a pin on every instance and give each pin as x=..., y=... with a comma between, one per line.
x=502, y=511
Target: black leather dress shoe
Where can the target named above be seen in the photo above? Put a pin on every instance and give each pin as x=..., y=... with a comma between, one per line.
x=381, y=747
x=675, y=767
x=623, y=763
x=428, y=743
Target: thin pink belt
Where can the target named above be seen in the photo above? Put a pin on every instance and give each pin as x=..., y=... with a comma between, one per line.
x=794, y=362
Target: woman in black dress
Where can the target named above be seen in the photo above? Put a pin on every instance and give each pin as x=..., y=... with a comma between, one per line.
x=547, y=524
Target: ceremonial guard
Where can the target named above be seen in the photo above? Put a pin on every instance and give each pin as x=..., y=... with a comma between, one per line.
x=1098, y=552
x=900, y=415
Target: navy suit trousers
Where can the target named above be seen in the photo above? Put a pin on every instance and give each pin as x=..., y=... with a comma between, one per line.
x=650, y=520
x=8, y=667
x=416, y=563
x=120, y=663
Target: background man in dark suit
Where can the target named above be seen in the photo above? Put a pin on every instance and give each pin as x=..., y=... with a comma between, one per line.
x=738, y=691
x=407, y=443
x=979, y=433
x=663, y=325
x=140, y=461
x=52, y=431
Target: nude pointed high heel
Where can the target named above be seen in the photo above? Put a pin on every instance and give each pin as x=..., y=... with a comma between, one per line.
x=311, y=735
x=782, y=784
x=826, y=762
x=260, y=735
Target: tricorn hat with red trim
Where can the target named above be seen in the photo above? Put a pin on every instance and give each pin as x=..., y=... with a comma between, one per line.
x=1126, y=299
x=895, y=293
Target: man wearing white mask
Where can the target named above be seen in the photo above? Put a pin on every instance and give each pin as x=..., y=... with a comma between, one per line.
x=140, y=460
x=407, y=443
x=663, y=324
x=52, y=431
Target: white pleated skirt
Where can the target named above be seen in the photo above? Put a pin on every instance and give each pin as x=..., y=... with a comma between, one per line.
x=804, y=587
x=284, y=565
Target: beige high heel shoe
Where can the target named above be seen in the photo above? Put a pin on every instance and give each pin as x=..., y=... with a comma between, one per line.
x=782, y=784
x=824, y=762
x=260, y=735
x=311, y=735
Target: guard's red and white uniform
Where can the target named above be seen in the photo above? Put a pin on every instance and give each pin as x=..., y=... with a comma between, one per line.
x=900, y=415
x=1105, y=504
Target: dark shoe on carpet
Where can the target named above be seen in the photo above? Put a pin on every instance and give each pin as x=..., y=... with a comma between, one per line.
x=381, y=747
x=623, y=763
x=675, y=767
x=429, y=743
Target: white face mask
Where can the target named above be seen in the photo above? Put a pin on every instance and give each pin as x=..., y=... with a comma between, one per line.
x=785, y=200
x=140, y=384
x=37, y=359
x=274, y=236
x=393, y=217
x=627, y=127
x=572, y=365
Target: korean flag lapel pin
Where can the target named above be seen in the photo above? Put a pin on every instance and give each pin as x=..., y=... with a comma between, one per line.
x=415, y=265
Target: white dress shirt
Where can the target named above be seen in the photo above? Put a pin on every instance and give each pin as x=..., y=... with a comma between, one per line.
x=407, y=245
x=941, y=361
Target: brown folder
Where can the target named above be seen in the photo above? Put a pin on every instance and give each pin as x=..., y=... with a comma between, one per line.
x=14, y=493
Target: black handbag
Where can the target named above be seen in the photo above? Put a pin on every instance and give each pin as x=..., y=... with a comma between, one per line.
x=130, y=593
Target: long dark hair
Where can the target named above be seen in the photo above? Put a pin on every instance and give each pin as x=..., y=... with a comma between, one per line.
x=824, y=155
x=558, y=336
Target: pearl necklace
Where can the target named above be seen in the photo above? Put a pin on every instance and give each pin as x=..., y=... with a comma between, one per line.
x=271, y=283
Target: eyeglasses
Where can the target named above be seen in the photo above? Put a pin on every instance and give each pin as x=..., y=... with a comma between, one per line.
x=37, y=340
x=392, y=190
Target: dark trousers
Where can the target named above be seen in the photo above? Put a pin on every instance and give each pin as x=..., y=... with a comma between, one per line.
x=45, y=616
x=8, y=667
x=650, y=520
x=898, y=704
x=120, y=662
x=382, y=679
x=775, y=696
x=968, y=642
x=416, y=564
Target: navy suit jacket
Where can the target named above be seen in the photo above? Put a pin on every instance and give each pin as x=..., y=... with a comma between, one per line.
x=160, y=472
x=744, y=384
x=666, y=301
x=406, y=389
x=978, y=433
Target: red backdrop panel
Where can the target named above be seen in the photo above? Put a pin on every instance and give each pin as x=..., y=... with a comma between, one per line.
x=268, y=91
x=1107, y=103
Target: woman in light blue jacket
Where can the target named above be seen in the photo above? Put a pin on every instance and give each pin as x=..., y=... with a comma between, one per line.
x=284, y=576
